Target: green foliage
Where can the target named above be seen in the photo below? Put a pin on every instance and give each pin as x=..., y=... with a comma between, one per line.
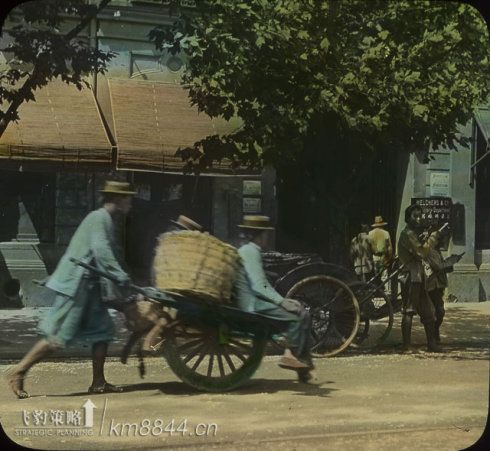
x=403, y=73
x=37, y=50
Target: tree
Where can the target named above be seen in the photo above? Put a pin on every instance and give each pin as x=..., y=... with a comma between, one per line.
x=405, y=73
x=40, y=48
x=330, y=91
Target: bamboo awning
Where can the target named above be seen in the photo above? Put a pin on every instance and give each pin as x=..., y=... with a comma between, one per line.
x=63, y=124
x=152, y=120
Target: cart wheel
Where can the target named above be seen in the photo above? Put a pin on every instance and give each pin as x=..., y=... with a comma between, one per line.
x=334, y=312
x=213, y=359
x=376, y=315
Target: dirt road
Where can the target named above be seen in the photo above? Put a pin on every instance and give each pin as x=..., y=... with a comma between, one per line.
x=373, y=401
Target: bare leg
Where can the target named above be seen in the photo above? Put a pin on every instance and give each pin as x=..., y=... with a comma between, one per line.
x=99, y=352
x=15, y=377
x=99, y=384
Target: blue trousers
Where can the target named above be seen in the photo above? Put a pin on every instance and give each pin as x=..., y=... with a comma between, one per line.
x=298, y=327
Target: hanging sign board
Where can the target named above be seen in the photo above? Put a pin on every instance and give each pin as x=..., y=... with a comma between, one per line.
x=439, y=184
x=252, y=205
x=252, y=187
x=435, y=210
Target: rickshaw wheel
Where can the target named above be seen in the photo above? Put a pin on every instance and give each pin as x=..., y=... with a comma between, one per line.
x=214, y=359
x=376, y=315
x=334, y=313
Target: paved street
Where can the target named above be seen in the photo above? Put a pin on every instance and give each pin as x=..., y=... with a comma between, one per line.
x=360, y=401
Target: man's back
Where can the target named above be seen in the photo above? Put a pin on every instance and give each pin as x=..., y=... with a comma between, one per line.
x=380, y=241
x=361, y=254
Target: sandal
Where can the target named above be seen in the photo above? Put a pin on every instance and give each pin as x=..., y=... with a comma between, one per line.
x=105, y=388
x=16, y=384
x=292, y=363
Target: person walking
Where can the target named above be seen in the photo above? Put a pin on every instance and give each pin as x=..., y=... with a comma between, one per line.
x=411, y=252
x=78, y=314
x=254, y=293
x=361, y=254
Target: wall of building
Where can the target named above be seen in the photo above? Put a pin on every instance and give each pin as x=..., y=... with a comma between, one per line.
x=216, y=202
x=465, y=283
x=124, y=29
x=234, y=197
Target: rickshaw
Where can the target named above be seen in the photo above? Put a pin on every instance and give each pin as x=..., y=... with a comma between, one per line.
x=324, y=290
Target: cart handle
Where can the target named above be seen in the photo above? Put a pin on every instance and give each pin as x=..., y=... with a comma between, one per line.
x=171, y=299
x=101, y=273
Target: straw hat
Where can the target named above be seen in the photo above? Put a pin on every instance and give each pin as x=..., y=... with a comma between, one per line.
x=187, y=223
x=256, y=222
x=378, y=222
x=113, y=187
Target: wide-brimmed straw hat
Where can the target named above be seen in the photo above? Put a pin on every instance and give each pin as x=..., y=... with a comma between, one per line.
x=256, y=222
x=114, y=187
x=187, y=223
x=378, y=222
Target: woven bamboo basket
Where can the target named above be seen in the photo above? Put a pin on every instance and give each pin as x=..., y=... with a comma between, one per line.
x=196, y=264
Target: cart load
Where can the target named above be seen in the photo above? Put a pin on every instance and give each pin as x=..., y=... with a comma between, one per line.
x=197, y=264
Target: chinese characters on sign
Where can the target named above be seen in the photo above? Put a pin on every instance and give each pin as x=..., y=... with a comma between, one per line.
x=435, y=210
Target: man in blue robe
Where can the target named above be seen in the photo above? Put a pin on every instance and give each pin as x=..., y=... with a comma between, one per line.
x=79, y=314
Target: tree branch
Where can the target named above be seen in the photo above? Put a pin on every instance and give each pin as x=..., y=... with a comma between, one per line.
x=29, y=84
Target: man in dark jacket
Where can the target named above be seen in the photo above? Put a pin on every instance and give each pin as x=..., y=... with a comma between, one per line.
x=411, y=251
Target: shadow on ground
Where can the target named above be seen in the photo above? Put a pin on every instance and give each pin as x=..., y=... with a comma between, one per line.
x=465, y=335
x=255, y=386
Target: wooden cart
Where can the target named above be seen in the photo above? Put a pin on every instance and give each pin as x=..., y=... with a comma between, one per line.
x=215, y=347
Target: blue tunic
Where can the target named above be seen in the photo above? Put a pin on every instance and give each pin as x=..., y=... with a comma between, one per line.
x=78, y=314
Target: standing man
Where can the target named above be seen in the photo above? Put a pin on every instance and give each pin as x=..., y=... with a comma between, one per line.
x=361, y=254
x=78, y=313
x=411, y=251
x=254, y=293
x=381, y=247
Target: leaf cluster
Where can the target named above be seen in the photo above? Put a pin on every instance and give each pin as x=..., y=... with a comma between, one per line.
x=403, y=73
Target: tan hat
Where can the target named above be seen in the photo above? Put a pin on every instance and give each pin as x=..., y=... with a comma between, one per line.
x=123, y=188
x=188, y=223
x=378, y=222
x=256, y=222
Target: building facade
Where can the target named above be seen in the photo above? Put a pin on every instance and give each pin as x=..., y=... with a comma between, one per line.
x=54, y=160
x=460, y=177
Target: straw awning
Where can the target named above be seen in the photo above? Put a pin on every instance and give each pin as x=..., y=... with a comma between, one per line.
x=152, y=120
x=63, y=124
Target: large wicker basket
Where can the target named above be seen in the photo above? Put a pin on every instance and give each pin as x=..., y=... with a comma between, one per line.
x=197, y=264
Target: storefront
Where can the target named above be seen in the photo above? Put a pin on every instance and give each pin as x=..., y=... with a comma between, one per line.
x=461, y=178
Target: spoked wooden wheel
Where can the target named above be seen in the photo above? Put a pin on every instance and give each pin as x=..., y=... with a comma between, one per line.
x=334, y=312
x=213, y=359
x=376, y=315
